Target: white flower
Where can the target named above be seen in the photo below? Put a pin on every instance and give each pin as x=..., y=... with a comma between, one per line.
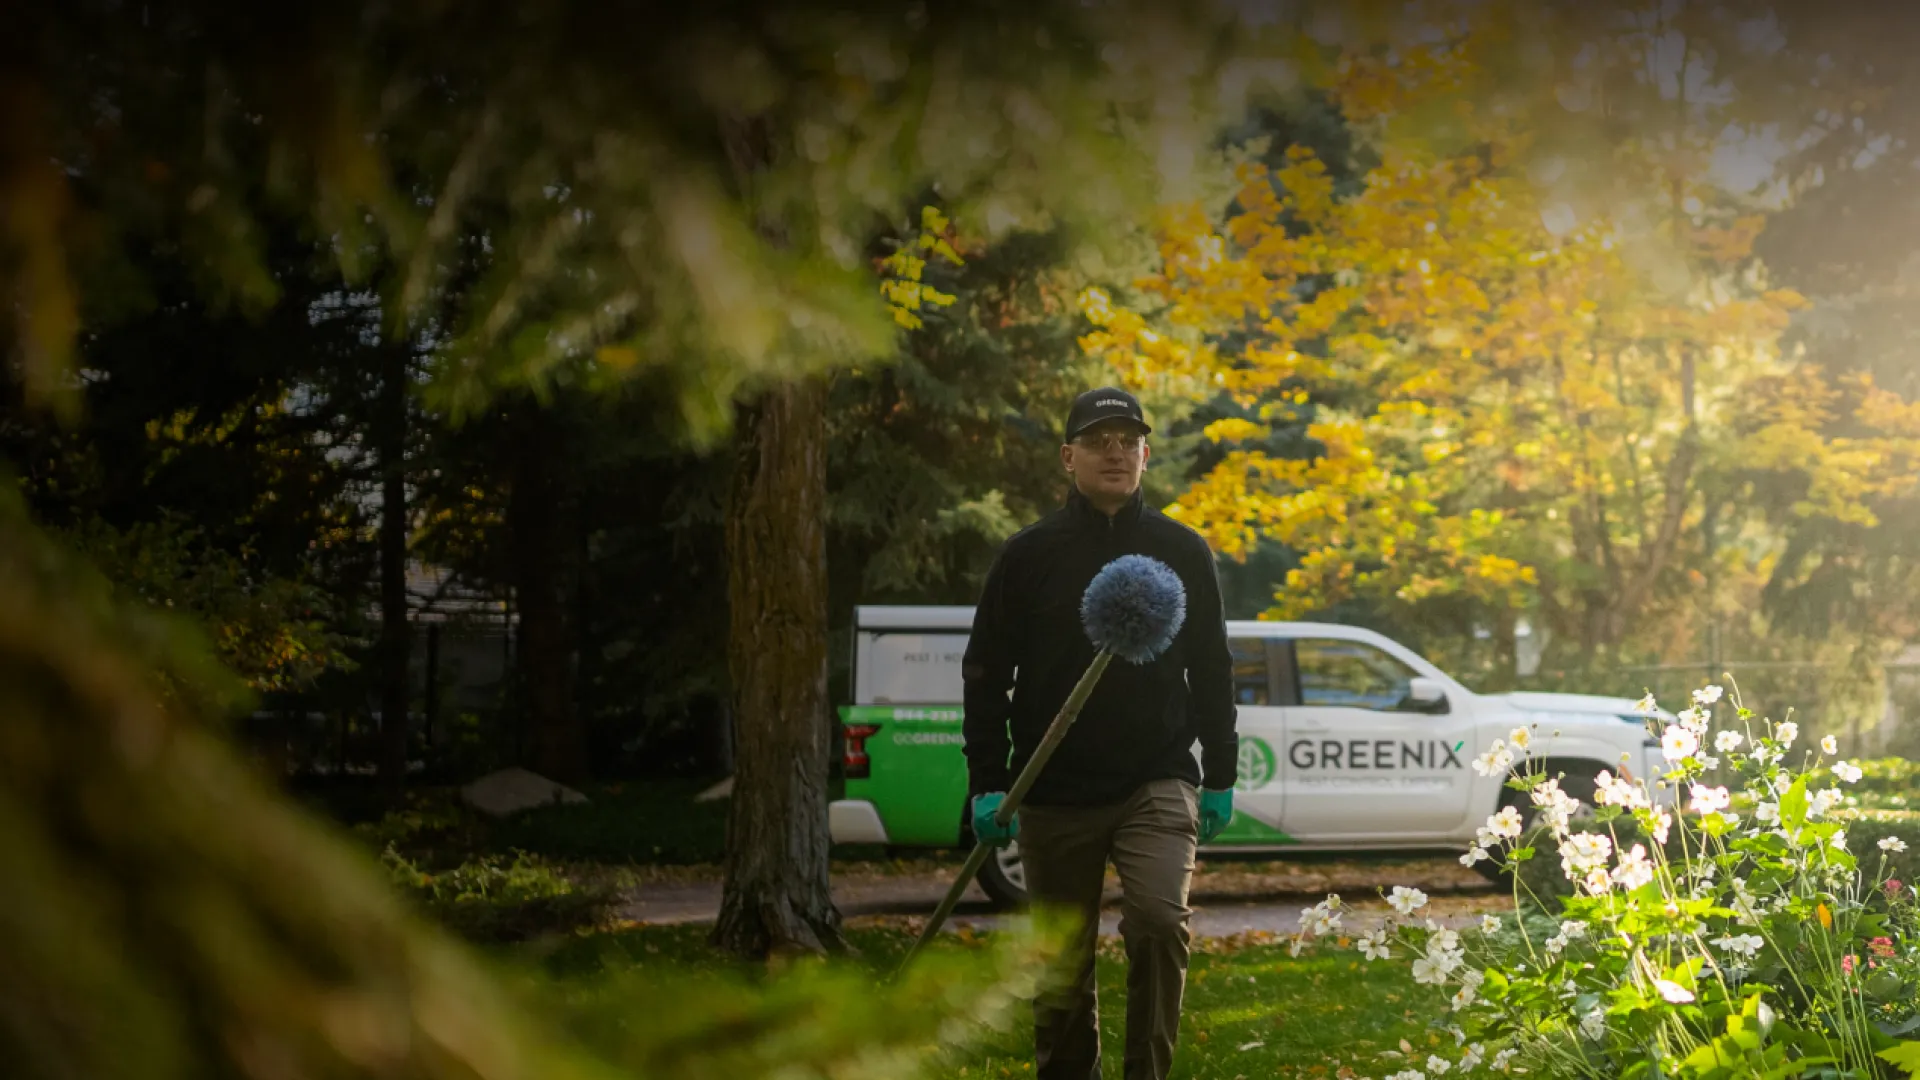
x=1647, y=706
x=1428, y=971
x=1761, y=755
x=1501, y=1059
x=1374, y=946
x=1520, y=738
x=1506, y=824
x=1707, y=695
x=1437, y=1064
x=1766, y=813
x=1556, y=806
x=1661, y=821
x=1406, y=901
x=1824, y=800
x=1556, y=943
x=1707, y=800
x=1490, y=924
x=1847, y=774
x=1828, y=745
x=1597, y=881
x=1840, y=840
x=1297, y=946
x=1892, y=843
x=1678, y=743
x=1495, y=762
x=1745, y=946
x=1585, y=851
x=1472, y=1058
x=1594, y=1024
x=1474, y=854
x=1728, y=741
x=1442, y=938
x=1610, y=790
x=1694, y=719
x=1786, y=732
x=1672, y=992
x=1322, y=918
x=1408, y=1074
x=1634, y=869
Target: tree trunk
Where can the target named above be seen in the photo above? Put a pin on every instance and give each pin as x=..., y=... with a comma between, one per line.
x=776, y=896
x=537, y=511
x=396, y=636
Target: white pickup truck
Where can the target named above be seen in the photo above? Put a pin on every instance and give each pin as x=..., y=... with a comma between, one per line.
x=1349, y=741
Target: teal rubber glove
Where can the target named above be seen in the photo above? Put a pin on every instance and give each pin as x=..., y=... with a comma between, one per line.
x=985, y=828
x=1216, y=809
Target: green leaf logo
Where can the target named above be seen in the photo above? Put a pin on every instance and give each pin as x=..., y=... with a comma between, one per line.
x=1256, y=765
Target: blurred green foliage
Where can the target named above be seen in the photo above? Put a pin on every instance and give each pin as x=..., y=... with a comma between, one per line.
x=168, y=915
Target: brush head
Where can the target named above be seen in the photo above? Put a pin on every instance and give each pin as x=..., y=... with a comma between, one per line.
x=1133, y=608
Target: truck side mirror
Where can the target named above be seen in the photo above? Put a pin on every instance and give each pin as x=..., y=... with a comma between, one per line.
x=1426, y=695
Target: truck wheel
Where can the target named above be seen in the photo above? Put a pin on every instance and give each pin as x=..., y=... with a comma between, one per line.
x=1580, y=781
x=1004, y=879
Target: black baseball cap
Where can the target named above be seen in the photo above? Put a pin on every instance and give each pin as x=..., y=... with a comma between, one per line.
x=1104, y=403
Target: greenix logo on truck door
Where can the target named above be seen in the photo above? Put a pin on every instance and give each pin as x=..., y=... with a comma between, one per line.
x=1256, y=764
x=1381, y=754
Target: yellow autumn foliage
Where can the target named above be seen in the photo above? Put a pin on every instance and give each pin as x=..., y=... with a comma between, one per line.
x=1511, y=410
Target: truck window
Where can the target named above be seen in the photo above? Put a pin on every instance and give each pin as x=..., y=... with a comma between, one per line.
x=1251, y=683
x=1350, y=674
x=910, y=667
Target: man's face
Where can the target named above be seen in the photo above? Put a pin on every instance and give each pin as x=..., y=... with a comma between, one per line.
x=1106, y=460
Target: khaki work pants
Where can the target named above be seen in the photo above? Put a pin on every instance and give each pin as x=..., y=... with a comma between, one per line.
x=1151, y=839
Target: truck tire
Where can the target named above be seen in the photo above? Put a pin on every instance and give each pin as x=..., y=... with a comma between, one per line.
x=1579, y=779
x=1004, y=879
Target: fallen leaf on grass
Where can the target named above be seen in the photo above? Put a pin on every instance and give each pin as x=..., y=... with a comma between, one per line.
x=1255, y=1045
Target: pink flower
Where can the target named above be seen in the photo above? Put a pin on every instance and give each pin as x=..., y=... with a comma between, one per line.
x=1893, y=886
x=1881, y=946
x=1846, y=965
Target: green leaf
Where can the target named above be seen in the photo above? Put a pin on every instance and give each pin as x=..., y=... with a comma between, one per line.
x=1793, y=805
x=1906, y=1027
x=1906, y=1057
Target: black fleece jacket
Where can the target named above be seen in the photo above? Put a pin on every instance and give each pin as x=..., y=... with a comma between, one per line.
x=1142, y=720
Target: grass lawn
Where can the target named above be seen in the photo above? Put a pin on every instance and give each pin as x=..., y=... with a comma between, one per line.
x=1251, y=1010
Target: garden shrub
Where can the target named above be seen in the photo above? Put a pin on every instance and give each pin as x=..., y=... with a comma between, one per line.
x=1865, y=830
x=1891, y=783
x=1771, y=935
x=494, y=898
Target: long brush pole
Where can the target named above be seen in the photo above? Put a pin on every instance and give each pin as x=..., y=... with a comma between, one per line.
x=1056, y=733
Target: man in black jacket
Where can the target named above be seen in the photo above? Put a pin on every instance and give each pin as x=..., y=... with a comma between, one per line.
x=1124, y=785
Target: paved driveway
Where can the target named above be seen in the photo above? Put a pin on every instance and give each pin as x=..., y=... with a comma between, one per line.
x=1228, y=897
